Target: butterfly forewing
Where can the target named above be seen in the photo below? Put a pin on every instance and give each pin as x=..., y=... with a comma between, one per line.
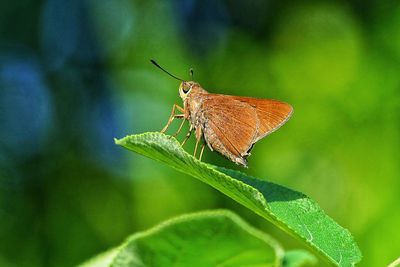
x=271, y=114
x=230, y=124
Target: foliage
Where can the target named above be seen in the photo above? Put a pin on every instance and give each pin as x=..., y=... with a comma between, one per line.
x=291, y=211
x=210, y=238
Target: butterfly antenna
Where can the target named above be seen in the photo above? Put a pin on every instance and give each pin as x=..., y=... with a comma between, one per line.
x=191, y=73
x=158, y=66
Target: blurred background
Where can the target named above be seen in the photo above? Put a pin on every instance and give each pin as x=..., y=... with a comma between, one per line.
x=74, y=74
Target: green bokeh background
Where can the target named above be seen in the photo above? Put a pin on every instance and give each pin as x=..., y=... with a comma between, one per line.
x=75, y=74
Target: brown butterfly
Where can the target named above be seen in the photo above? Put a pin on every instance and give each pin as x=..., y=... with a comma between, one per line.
x=230, y=125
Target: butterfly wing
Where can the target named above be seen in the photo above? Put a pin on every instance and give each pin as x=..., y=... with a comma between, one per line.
x=233, y=124
x=230, y=126
x=271, y=114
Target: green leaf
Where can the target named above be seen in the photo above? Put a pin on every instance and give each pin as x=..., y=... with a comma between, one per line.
x=298, y=258
x=396, y=263
x=291, y=211
x=211, y=238
x=101, y=260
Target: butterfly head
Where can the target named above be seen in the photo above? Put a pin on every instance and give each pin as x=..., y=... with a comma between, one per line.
x=186, y=88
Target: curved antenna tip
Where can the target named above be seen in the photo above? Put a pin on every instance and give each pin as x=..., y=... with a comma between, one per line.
x=191, y=73
x=161, y=68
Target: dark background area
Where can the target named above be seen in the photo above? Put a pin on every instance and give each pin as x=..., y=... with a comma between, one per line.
x=75, y=74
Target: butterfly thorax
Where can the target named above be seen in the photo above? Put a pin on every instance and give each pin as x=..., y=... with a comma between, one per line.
x=193, y=103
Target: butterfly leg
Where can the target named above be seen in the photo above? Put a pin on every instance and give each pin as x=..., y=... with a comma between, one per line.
x=173, y=116
x=180, y=128
x=195, y=148
x=199, y=134
x=188, y=135
x=202, y=150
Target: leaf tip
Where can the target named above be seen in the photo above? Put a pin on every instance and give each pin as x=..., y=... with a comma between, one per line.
x=119, y=141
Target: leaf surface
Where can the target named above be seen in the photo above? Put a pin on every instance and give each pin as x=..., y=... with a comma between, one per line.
x=298, y=258
x=203, y=239
x=291, y=211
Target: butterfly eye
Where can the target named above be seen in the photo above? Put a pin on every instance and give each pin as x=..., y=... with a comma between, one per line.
x=186, y=88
